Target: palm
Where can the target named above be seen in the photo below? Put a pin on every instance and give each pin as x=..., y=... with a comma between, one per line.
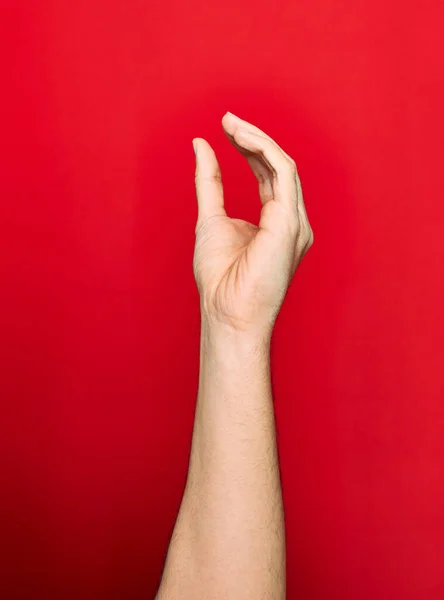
x=221, y=247
x=229, y=265
x=242, y=270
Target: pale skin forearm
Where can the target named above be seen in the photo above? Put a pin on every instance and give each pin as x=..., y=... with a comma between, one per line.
x=229, y=537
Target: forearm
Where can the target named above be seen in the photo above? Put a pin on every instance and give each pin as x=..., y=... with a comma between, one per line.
x=229, y=537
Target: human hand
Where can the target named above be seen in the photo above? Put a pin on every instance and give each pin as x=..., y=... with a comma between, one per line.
x=242, y=270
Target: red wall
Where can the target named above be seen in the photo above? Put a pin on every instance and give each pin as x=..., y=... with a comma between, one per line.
x=99, y=318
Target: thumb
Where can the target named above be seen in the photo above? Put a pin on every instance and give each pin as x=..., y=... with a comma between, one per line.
x=208, y=179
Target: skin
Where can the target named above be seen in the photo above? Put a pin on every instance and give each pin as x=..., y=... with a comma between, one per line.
x=229, y=537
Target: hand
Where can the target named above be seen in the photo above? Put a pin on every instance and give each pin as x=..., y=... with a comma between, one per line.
x=242, y=270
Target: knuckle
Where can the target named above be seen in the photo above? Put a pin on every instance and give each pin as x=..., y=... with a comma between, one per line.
x=307, y=238
x=292, y=163
x=292, y=166
x=293, y=225
x=215, y=177
x=289, y=169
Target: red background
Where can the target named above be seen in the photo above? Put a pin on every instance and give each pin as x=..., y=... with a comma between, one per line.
x=99, y=311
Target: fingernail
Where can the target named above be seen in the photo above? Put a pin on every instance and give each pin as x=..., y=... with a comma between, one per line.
x=194, y=148
x=230, y=113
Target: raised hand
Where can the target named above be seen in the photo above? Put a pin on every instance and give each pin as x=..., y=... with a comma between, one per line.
x=242, y=270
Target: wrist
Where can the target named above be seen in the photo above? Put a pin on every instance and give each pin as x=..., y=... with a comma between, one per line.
x=235, y=364
x=222, y=340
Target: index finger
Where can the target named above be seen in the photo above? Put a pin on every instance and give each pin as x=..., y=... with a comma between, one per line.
x=250, y=127
x=282, y=169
